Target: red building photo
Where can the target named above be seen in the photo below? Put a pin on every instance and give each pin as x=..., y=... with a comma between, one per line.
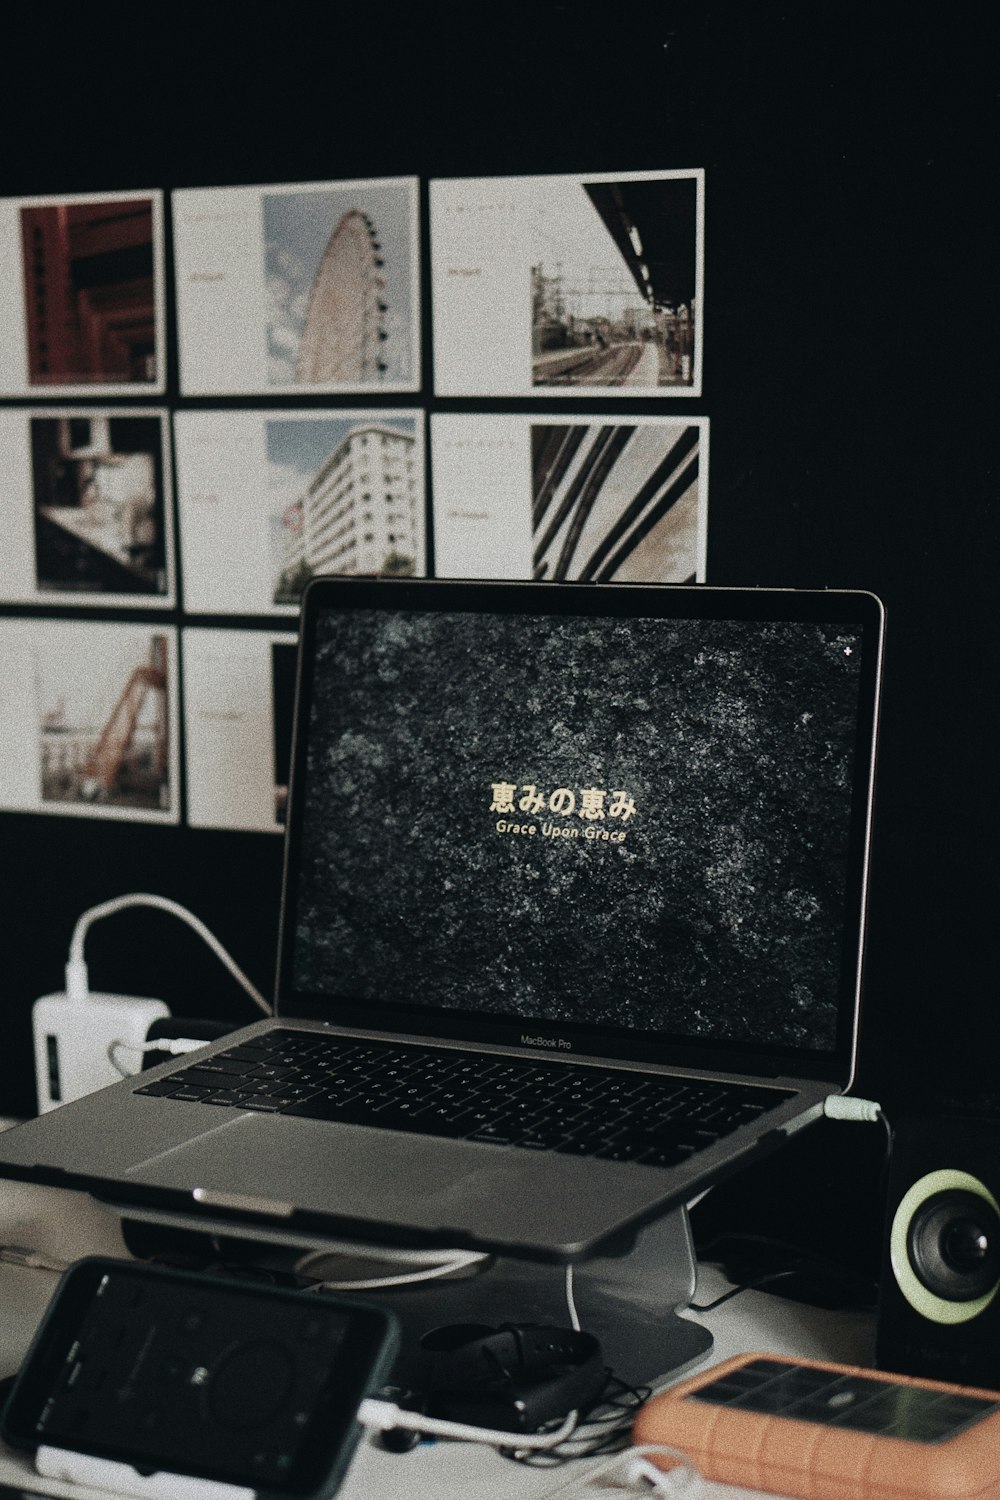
x=89, y=293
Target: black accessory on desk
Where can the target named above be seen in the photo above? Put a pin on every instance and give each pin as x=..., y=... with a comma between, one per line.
x=516, y=1377
x=139, y=1370
x=563, y=827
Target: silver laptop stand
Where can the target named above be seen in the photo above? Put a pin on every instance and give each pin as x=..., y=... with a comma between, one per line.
x=631, y=1302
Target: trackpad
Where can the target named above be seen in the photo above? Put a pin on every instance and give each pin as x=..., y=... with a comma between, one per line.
x=360, y=1179
x=342, y=1170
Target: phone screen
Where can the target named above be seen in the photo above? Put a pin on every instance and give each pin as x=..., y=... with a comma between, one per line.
x=183, y=1372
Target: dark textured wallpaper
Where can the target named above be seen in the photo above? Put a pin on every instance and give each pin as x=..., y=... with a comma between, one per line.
x=637, y=824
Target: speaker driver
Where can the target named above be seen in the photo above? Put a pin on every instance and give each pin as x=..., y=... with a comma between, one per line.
x=945, y=1246
x=952, y=1243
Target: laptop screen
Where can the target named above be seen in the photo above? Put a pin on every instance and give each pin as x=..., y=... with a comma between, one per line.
x=625, y=821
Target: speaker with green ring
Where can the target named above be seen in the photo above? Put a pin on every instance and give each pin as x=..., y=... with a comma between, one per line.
x=939, y=1308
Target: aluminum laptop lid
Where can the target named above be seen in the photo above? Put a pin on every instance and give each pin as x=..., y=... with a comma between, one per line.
x=625, y=822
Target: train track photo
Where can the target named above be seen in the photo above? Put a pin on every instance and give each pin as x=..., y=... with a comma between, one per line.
x=589, y=366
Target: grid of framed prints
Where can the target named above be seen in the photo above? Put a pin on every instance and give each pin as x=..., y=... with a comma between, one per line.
x=164, y=508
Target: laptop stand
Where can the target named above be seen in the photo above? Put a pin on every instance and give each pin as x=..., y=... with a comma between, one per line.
x=631, y=1302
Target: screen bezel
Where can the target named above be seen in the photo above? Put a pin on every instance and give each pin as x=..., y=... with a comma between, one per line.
x=677, y=601
x=363, y=1359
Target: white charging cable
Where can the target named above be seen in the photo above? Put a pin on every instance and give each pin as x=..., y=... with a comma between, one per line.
x=859, y=1111
x=635, y=1472
x=176, y=1046
x=632, y=1471
x=385, y=1416
x=77, y=979
x=429, y=1266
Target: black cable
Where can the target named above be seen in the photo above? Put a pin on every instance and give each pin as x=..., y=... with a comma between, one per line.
x=604, y=1433
x=851, y=1287
x=745, y=1286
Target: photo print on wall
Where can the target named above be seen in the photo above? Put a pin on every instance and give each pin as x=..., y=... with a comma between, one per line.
x=339, y=299
x=89, y=518
x=597, y=499
x=590, y=284
x=350, y=497
x=84, y=316
x=267, y=499
x=239, y=690
x=88, y=710
x=306, y=286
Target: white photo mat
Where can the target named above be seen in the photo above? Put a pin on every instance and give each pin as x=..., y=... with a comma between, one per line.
x=236, y=683
x=532, y=291
x=266, y=274
x=600, y=497
x=89, y=718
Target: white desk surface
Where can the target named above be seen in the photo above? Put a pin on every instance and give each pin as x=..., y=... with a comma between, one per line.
x=64, y=1226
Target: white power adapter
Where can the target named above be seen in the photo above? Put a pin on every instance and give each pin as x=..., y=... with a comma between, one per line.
x=74, y=1036
x=78, y=1034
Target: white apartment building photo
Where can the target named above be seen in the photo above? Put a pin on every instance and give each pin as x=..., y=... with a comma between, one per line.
x=360, y=513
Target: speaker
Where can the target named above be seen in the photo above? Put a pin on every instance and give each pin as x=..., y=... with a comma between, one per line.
x=939, y=1308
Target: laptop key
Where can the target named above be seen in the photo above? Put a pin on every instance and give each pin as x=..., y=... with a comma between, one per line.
x=533, y=1121
x=249, y=1052
x=620, y=1151
x=401, y=1115
x=687, y=1137
x=733, y=1113
x=199, y=1078
x=581, y=1145
x=321, y=1106
x=317, y=1108
x=450, y=1120
x=493, y=1136
x=223, y=1065
x=664, y=1156
x=542, y=1137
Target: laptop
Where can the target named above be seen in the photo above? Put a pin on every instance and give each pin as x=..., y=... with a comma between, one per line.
x=572, y=923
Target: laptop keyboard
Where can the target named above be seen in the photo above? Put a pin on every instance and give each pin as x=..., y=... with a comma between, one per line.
x=615, y=1114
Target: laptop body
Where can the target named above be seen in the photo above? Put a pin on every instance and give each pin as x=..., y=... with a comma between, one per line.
x=583, y=829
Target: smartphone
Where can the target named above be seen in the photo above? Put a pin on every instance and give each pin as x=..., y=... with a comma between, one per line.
x=825, y=1431
x=185, y=1373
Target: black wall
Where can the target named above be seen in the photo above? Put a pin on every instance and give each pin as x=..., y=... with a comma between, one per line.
x=850, y=340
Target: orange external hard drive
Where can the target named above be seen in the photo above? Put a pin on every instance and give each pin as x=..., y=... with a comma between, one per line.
x=830, y=1432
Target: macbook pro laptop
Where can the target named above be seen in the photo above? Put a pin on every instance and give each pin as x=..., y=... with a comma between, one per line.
x=572, y=921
